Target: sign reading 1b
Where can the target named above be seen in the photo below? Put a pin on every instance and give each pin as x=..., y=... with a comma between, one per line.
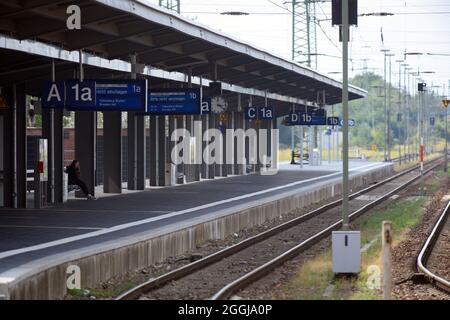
x=174, y=102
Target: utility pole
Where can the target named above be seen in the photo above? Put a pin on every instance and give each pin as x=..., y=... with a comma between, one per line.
x=399, y=119
x=389, y=137
x=408, y=110
x=345, y=183
x=446, y=130
x=421, y=135
x=386, y=141
x=304, y=44
x=304, y=32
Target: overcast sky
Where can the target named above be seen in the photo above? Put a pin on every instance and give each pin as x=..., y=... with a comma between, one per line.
x=417, y=26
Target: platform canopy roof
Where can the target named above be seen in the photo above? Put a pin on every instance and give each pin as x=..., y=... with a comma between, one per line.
x=117, y=29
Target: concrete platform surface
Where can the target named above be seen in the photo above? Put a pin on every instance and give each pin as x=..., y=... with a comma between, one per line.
x=29, y=235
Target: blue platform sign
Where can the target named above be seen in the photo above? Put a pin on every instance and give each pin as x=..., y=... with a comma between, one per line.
x=334, y=121
x=261, y=113
x=80, y=95
x=53, y=95
x=121, y=95
x=174, y=102
x=306, y=119
x=351, y=123
x=265, y=113
x=206, y=105
x=251, y=113
x=317, y=112
x=96, y=95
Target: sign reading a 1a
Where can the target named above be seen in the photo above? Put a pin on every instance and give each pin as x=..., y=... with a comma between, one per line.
x=53, y=94
x=80, y=95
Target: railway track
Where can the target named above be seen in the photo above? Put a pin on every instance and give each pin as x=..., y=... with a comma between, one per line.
x=438, y=240
x=222, y=274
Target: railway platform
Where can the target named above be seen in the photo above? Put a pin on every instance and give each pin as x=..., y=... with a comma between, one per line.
x=116, y=234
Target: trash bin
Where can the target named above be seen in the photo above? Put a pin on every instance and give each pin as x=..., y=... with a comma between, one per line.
x=315, y=158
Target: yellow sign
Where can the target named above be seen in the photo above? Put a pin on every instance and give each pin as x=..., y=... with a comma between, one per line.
x=445, y=103
x=3, y=104
x=374, y=148
x=223, y=117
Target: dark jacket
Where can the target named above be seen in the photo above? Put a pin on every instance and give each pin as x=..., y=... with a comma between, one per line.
x=74, y=173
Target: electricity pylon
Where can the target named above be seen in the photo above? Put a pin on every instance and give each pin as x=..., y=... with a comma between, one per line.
x=304, y=32
x=174, y=5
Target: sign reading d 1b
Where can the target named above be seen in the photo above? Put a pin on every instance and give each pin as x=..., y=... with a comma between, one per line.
x=259, y=113
x=306, y=119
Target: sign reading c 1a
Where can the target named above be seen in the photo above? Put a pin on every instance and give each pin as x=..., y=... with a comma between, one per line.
x=259, y=113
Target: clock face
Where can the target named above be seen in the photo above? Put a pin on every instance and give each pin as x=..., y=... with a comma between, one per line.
x=218, y=105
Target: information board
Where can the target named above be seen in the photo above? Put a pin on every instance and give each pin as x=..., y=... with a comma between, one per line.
x=259, y=113
x=333, y=121
x=305, y=119
x=96, y=95
x=121, y=95
x=174, y=102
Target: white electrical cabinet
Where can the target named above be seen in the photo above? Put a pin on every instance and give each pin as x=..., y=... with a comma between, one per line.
x=346, y=252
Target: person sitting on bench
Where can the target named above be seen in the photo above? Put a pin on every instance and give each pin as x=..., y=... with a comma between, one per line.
x=74, y=179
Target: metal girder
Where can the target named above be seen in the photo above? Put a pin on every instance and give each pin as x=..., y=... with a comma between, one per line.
x=35, y=5
x=171, y=47
x=186, y=55
x=153, y=13
x=151, y=16
x=53, y=27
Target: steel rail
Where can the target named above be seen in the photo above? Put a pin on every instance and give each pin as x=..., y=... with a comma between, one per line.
x=181, y=272
x=425, y=253
x=268, y=267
